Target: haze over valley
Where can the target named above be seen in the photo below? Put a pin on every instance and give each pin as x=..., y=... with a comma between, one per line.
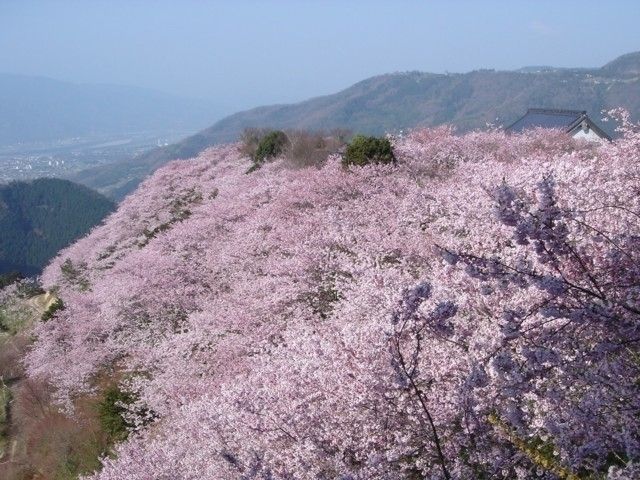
x=318, y=240
x=55, y=128
x=111, y=148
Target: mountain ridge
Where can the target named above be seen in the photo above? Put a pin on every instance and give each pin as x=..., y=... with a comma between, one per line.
x=399, y=101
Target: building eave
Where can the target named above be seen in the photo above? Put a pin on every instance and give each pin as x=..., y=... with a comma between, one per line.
x=591, y=124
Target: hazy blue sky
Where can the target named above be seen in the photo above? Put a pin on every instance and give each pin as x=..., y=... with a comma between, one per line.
x=246, y=53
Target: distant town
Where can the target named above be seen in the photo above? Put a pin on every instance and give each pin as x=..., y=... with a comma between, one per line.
x=24, y=161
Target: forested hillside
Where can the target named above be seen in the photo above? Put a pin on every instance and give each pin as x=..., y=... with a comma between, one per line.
x=469, y=308
x=398, y=101
x=40, y=217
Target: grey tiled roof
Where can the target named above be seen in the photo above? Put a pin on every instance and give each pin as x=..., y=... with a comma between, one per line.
x=547, y=118
x=566, y=120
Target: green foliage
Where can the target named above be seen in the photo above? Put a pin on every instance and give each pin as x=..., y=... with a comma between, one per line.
x=249, y=140
x=263, y=145
x=364, y=150
x=300, y=148
x=40, y=217
x=9, y=278
x=271, y=145
x=398, y=102
x=82, y=460
x=111, y=410
x=14, y=315
x=29, y=288
x=56, y=306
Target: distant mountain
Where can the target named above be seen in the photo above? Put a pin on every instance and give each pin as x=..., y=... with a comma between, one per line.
x=400, y=101
x=40, y=217
x=35, y=109
x=626, y=66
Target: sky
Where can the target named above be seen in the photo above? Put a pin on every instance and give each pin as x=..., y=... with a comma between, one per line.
x=245, y=53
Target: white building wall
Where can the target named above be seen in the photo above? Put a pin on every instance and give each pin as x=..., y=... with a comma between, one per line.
x=587, y=134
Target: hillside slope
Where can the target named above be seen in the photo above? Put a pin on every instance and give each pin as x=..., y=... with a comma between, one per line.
x=36, y=109
x=39, y=218
x=401, y=101
x=468, y=312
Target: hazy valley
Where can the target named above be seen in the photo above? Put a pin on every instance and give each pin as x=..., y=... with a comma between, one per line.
x=419, y=276
x=401, y=101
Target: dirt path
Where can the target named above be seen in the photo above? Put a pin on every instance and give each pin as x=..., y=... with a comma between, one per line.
x=40, y=303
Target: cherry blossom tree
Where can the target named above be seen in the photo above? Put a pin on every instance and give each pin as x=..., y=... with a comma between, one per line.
x=471, y=311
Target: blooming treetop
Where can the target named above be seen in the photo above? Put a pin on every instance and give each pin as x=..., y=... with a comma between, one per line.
x=471, y=312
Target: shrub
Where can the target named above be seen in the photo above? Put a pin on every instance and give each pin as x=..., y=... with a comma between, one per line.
x=311, y=149
x=12, y=349
x=301, y=148
x=55, y=306
x=271, y=145
x=9, y=278
x=249, y=140
x=15, y=315
x=262, y=145
x=364, y=150
x=46, y=443
x=111, y=410
x=29, y=288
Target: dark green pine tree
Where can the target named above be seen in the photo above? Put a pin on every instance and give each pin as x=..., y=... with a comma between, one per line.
x=39, y=217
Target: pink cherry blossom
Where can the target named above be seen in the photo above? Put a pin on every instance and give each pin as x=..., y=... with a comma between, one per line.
x=471, y=312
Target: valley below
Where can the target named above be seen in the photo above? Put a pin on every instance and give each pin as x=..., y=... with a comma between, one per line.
x=386, y=282
x=64, y=158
